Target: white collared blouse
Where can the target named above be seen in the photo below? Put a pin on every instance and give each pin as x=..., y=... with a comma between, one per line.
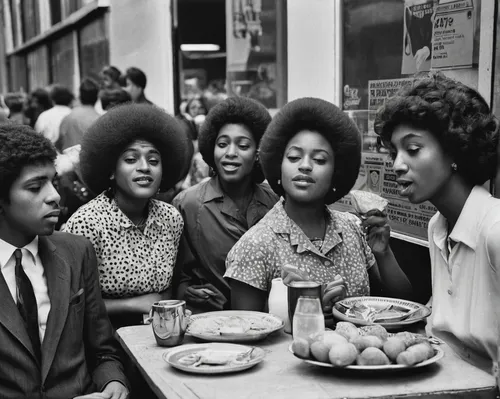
x=465, y=292
x=131, y=262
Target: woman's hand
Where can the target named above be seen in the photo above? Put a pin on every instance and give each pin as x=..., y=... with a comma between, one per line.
x=291, y=273
x=378, y=232
x=333, y=292
x=200, y=294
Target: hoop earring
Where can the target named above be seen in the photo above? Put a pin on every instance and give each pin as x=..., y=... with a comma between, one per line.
x=454, y=166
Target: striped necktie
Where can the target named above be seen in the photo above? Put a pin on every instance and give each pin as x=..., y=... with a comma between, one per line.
x=26, y=303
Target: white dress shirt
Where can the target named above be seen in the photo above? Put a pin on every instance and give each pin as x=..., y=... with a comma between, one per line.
x=33, y=268
x=465, y=296
x=49, y=122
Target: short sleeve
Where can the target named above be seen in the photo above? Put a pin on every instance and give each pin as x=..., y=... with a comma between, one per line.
x=251, y=260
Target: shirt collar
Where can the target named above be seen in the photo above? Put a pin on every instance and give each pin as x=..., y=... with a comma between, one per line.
x=214, y=190
x=466, y=228
x=282, y=224
x=124, y=222
x=6, y=250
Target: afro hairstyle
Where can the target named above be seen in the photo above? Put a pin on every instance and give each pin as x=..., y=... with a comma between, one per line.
x=233, y=110
x=457, y=115
x=106, y=139
x=20, y=146
x=328, y=120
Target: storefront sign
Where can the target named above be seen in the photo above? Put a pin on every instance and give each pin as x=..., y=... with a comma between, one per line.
x=453, y=34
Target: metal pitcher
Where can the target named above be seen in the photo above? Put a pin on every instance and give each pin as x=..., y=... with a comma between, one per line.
x=169, y=320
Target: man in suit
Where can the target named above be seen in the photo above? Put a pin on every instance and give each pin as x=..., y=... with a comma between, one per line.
x=56, y=341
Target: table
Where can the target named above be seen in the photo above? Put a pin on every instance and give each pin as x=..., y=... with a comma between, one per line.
x=282, y=376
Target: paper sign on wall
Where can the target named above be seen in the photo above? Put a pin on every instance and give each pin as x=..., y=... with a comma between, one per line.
x=453, y=34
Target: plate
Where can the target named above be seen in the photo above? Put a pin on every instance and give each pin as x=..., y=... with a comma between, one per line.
x=375, y=302
x=266, y=322
x=438, y=354
x=173, y=355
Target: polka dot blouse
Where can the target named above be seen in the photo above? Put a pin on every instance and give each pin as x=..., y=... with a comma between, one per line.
x=276, y=240
x=131, y=262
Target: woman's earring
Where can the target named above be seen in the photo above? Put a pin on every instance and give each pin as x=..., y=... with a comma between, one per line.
x=112, y=177
x=454, y=166
x=279, y=182
x=334, y=189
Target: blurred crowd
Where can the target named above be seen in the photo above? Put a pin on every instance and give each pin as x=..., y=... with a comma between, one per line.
x=57, y=114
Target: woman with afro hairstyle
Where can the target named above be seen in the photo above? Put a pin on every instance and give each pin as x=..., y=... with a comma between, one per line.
x=218, y=211
x=311, y=154
x=443, y=140
x=128, y=155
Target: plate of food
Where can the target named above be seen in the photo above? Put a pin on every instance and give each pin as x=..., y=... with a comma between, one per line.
x=390, y=313
x=233, y=326
x=214, y=358
x=369, y=348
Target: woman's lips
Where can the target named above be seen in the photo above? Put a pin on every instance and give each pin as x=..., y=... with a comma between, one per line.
x=230, y=167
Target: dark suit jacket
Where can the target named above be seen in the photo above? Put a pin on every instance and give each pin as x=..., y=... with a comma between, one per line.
x=79, y=352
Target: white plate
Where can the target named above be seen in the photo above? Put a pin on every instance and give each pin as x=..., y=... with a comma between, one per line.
x=438, y=354
x=272, y=322
x=172, y=357
x=376, y=302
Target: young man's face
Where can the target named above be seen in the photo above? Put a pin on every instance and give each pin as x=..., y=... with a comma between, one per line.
x=33, y=206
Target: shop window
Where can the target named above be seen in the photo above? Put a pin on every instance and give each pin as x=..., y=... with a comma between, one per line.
x=62, y=60
x=94, y=47
x=256, y=50
x=387, y=42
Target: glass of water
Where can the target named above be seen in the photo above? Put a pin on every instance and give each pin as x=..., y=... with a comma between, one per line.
x=308, y=320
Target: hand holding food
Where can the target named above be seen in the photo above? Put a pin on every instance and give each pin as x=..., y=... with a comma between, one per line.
x=364, y=202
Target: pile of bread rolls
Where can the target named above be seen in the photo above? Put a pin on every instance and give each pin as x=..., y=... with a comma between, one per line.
x=365, y=346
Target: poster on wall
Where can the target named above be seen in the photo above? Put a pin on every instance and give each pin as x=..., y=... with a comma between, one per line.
x=251, y=50
x=377, y=175
x=453, y=34
x=417, y=36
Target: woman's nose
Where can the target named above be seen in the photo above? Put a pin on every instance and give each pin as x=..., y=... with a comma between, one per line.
x=231, y=150
x=143, y=164
x=399, y=165
x=305, y=165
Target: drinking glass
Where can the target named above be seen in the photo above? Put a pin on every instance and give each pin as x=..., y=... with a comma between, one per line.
x=308, y=320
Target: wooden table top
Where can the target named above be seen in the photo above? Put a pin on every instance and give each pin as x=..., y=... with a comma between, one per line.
x=281, y=375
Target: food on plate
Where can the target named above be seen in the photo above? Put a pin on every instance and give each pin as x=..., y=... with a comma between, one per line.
x=300, y=346
x=415, y=354
x=364, y=201
x=210, y=357
x=367, y=341
x=348, y=330
x=229, y=325
x=342, y=355
x=365, y=350
x=361, y=311
x=372, y=357
x=320, y=351
x=331, y=338
x=410, y=339
x=393, y=347
x=376, y=330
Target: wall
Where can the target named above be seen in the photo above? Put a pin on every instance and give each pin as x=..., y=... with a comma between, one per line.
x=311, y=49
x=140, y=36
